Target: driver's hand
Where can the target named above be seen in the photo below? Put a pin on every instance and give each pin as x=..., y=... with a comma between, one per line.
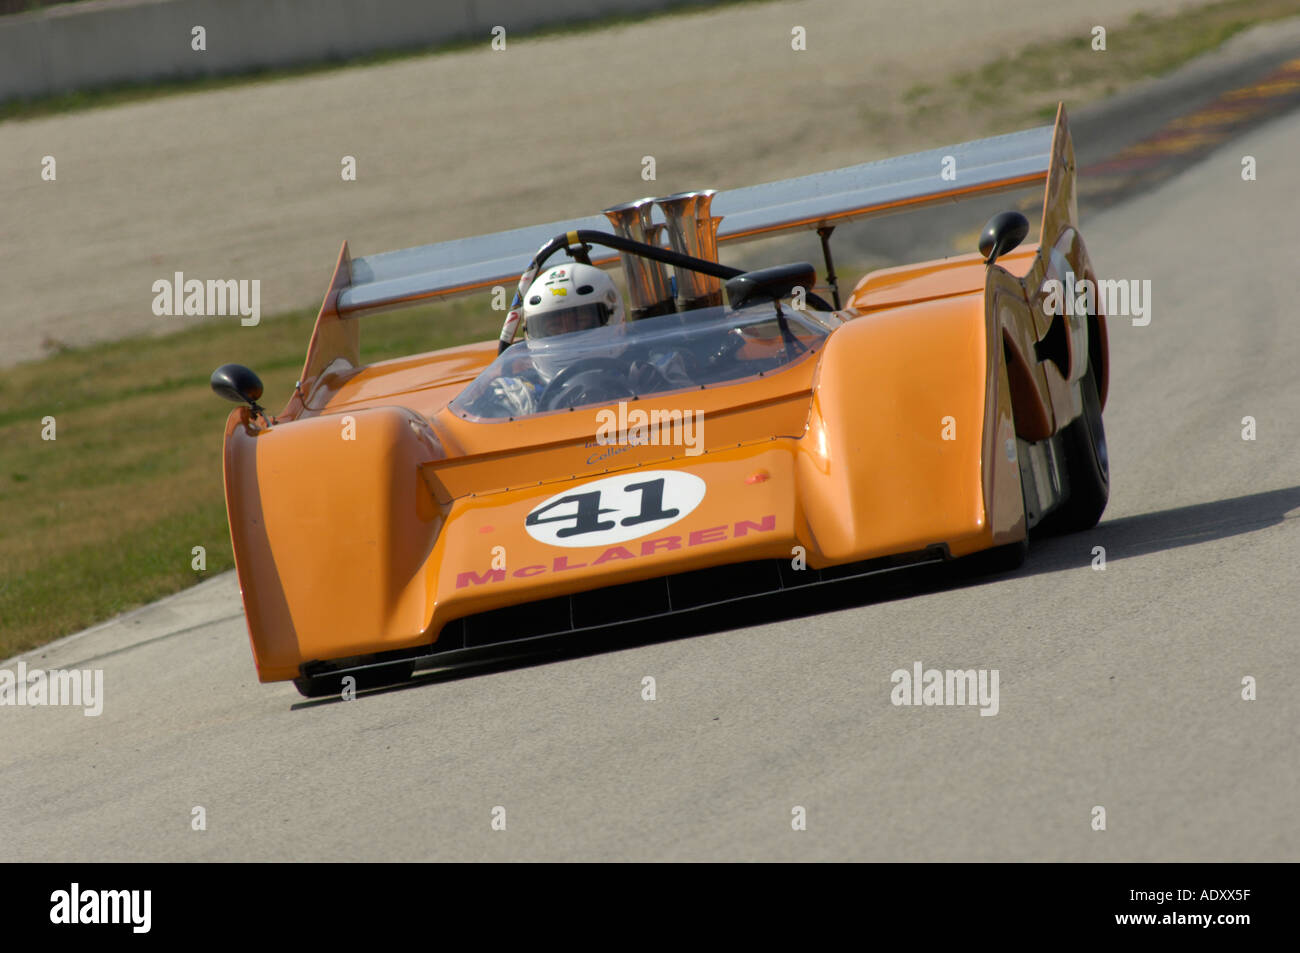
x=517, y=394
x=644, y=378
x=665, y=370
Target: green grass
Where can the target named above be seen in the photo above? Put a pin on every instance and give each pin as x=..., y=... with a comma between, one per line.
x=26, y=6
x=104, y=517
x=1010, y=92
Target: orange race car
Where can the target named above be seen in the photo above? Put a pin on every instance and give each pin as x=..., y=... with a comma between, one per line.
x=627, y=461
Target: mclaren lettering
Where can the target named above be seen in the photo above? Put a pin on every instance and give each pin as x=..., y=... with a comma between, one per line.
x=649, y=547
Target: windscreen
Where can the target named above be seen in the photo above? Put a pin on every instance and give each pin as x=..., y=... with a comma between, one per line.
x=640, y=358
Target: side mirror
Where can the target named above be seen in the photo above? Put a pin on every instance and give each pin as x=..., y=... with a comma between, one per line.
x=1004, y=232
x=237, y=383
x=770, y=283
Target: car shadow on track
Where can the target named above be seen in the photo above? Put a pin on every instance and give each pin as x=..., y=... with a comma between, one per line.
x=1162, y=530
x=1122, y=538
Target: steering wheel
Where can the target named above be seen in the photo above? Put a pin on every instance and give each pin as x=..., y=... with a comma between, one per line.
x=593, y=378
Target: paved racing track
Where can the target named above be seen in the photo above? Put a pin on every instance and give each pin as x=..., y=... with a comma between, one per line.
x=1119, y=688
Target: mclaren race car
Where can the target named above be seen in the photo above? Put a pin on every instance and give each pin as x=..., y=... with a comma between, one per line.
x=725, y=435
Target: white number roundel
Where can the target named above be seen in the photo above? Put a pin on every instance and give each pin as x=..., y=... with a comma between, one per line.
x=615, y=509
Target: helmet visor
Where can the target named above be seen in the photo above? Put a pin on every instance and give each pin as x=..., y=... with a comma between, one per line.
x=581, y=317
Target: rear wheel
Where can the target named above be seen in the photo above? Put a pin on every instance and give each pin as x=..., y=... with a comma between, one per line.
x=1087, y=463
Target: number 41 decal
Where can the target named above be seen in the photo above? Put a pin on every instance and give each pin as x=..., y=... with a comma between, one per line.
x=587, y=518
x=636, y=504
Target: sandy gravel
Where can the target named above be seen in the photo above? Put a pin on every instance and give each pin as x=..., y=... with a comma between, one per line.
x=245, y=182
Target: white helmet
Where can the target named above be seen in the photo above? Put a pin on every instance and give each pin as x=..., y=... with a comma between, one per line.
x=572, y=297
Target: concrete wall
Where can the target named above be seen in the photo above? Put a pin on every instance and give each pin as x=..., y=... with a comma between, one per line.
x=113, y=42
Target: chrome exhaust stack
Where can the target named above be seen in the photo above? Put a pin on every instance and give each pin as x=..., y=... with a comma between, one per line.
x=648, y=290
x=693, y=231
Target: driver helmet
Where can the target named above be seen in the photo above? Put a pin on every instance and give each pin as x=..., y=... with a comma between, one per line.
x=563, y=300
x=567, y=298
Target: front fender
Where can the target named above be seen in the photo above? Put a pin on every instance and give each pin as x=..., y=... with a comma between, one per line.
x=331, y=525
x=910, y=436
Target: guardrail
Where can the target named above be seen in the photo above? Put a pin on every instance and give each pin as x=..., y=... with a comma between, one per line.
x=118, y=42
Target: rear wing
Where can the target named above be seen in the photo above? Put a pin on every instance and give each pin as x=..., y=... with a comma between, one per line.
x=446, y=269
x=984, y=166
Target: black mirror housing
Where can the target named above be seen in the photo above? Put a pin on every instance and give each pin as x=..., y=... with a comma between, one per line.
x=237, y=383
x=1003, y=232
x=770, y=283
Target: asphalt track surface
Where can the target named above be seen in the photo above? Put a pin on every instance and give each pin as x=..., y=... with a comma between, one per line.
x=1119, y=688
